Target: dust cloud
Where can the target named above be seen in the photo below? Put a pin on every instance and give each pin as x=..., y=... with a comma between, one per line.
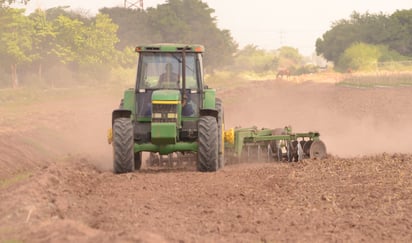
x=352, y=122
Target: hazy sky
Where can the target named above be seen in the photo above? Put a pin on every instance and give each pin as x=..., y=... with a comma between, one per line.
x=268, y=24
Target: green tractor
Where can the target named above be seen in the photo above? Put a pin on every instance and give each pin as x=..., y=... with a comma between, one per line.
x=170, y=110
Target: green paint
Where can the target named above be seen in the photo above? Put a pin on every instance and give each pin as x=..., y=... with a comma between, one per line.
x=209, y=99
x=166, y=95
x=129, y=101
x=164, y=133
x=253, y=135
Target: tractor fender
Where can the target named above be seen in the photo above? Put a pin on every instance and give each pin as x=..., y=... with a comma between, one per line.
x=118, y=113
x=209, y=112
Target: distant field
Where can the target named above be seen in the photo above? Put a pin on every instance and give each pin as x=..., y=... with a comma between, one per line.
x=23, y=96
x=392, y=79
x=366, y=80
x=221, y=80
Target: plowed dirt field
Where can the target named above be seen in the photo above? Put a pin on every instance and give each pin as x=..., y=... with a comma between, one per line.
x=56, y=183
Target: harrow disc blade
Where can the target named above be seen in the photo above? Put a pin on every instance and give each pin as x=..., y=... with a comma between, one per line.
x=317, y=150
x=306, y=147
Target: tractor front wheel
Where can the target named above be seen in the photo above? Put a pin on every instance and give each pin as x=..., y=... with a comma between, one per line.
x=123, y=142
x=207, y=154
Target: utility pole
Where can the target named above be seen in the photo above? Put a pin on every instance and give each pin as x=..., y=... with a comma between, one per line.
x=136, y=4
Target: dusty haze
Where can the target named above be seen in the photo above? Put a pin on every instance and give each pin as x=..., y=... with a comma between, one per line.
x=56, y=183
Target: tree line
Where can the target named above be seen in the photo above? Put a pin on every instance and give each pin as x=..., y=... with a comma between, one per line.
x=364, y=40
x=61, y=45
x=68, y=44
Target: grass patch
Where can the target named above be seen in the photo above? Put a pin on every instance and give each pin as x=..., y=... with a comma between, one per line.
x=15, y=179
x=25, y=96
x=378, y=80
x=230, y=80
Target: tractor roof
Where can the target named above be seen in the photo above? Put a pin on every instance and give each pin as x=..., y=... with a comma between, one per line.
x=170, y=47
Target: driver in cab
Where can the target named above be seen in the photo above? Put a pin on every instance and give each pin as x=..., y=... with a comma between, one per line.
x=169, y=79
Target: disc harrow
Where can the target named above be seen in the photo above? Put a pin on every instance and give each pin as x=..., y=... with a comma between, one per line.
x=280, y=144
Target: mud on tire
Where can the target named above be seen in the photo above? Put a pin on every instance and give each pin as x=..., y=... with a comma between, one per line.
x=207, y=154
x=123, y=154
x=220, y=127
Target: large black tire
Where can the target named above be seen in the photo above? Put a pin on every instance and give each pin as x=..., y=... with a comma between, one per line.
x=123, y=154
x=220, y=129
x=207, y=154
x=137, y=160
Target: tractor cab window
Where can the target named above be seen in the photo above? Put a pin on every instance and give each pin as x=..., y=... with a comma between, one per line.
x=164, y=71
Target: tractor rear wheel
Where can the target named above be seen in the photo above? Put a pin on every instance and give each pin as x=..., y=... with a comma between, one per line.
x=123, y=142
x=207, y=154
x=220, y=128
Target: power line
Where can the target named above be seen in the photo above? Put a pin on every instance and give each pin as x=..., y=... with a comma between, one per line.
x=137, y=4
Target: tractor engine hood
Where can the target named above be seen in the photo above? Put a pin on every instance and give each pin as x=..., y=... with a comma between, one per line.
x=166, y=95
x=166, y=116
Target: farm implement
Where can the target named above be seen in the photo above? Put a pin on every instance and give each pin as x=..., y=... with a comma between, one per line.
x=280, y=144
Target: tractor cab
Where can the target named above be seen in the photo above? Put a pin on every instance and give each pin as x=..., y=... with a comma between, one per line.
x=169, y=72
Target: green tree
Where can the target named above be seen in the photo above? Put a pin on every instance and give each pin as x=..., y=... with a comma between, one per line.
x=191, y=21
x=127, y=58
x=251, y=58
x=97, y=53
x=15, y=40
x=69, y=38
x=360, y=56
x=43, y=39
x=168, y=22
x=334, y=42
x=99, y=39
x=87, y=48
x=393, y=31
x=6, y=3
x=220, y=48
x=185, y=21
x=132, y=23
x=53, y=13
x=402, y=42
x=289, y=57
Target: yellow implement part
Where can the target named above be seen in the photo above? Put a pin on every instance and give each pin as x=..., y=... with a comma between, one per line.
x=110, y=136
x=230, y=136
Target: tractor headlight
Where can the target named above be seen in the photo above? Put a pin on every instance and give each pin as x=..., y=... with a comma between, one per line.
x=157, y=115
x=171, y=115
